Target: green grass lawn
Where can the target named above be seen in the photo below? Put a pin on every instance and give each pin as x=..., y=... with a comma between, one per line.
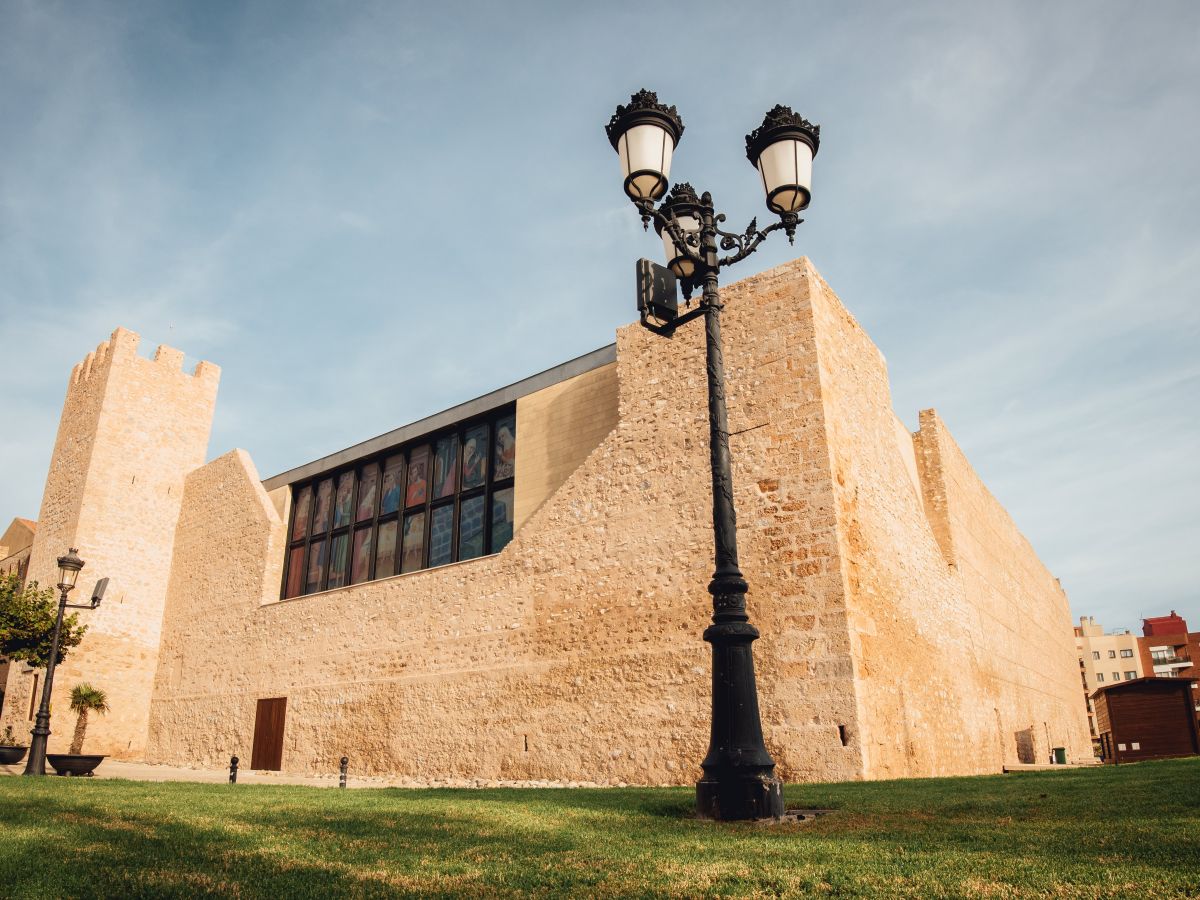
x=1132, y=831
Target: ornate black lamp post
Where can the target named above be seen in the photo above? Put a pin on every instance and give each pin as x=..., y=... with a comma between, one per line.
x=68, y=573
x=739, y=775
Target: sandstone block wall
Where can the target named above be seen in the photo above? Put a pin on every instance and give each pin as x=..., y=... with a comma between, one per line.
x=557, y=428
x=16, y=679
x=908, y=628
x=961, y=637
x=1018, y=614
x=131, y=429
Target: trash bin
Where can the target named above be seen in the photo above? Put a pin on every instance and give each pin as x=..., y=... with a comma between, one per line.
x=1060, y=756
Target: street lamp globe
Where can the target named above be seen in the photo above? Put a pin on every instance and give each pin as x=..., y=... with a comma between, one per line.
x=782, y=149
x=683, y=207
x=68, y=569
x=645, y=134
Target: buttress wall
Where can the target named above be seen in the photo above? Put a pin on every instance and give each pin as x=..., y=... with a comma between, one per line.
x=130, y=431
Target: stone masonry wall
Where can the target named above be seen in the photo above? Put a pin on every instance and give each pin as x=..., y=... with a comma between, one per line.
x=576, y=653
x=961, y=637
x=131, y=429
x=557, y=428
x=919, y=694
x=1019, y=618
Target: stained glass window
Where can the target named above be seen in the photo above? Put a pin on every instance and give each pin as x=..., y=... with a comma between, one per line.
x=502, y=519
x=385, y=559
x=341, y=503
x=300, y=516
x=324, y=499
x=506, y=449
x=470, y=529
x=337, y=561
x=362, y=554
x=413, y=551
x=447, y=496
x=445, y=467
x=295, y=578
x=441, y=535
x=393, y=485
x=368, y=484
x=474, y=457
x=316, y=567
x=418, y=476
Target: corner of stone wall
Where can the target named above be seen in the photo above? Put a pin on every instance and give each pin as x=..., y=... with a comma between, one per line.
x=904, y=613
x=228, y=555
x=228, y=492
x=787, y=506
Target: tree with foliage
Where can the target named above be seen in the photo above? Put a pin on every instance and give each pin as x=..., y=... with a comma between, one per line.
x=27, y=615
x=85, y=699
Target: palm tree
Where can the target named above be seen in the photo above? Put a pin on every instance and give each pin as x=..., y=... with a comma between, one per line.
x=85, y=699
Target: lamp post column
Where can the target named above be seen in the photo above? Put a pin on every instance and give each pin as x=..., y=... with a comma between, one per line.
x=36, y=764
x=739, y=774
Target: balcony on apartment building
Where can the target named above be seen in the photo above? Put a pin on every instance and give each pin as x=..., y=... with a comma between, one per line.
x=1167, y=661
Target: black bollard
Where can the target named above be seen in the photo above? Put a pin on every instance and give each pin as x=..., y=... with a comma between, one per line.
x=342, y=776
x=233, y=761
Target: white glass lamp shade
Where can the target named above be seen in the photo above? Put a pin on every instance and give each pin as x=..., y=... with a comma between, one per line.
x=782, y=149
x=786, y=170
x=645, y=133
x=68, y=569
x=645, y=152
x=682, y=207
x=677, y=260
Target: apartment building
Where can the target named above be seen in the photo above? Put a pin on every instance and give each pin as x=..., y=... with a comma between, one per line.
x=1105, y=659
x=1168, y=650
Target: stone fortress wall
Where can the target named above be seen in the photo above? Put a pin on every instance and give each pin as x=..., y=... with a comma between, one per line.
x=131, y=429
x=908, y=628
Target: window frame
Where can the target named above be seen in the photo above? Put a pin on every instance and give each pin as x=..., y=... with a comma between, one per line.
x=486, y=490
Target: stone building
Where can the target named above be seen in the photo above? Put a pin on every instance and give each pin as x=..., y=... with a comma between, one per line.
x=553, y=543
x=15, y=546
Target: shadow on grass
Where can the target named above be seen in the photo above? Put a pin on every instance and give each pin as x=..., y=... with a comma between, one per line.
x=1095, y=834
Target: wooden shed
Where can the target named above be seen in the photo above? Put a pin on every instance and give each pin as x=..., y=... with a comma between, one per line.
x=1146, y=718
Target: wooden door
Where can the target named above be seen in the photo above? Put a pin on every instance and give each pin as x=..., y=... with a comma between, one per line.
x=268, y=734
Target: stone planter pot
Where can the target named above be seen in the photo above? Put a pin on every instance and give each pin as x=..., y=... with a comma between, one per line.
x=70, y=764
x=10, y=756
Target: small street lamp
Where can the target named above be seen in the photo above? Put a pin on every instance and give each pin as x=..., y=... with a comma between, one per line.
x=69, y=567
x=739, y=774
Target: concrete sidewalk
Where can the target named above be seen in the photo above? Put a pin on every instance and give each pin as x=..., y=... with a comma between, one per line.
x=1052, y=767
x=139, y=771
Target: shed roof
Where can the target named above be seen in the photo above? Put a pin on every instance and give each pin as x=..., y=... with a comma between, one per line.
x=1163, y=684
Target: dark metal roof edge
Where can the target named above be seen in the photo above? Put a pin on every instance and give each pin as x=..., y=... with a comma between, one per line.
x=1142, y=679
x=480, y=405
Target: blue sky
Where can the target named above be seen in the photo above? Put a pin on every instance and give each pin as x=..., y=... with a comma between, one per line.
x=369, y=212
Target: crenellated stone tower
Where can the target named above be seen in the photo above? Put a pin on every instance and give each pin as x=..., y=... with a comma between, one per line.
x=131, y=430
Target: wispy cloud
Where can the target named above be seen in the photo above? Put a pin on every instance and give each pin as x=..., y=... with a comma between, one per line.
x=367, y=214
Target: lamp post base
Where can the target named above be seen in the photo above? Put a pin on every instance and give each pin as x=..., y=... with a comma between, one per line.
x=739, y=797
x=36, y=763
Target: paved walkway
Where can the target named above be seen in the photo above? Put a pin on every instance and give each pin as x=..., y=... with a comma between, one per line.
x=1052, y=767
x=138, y=771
